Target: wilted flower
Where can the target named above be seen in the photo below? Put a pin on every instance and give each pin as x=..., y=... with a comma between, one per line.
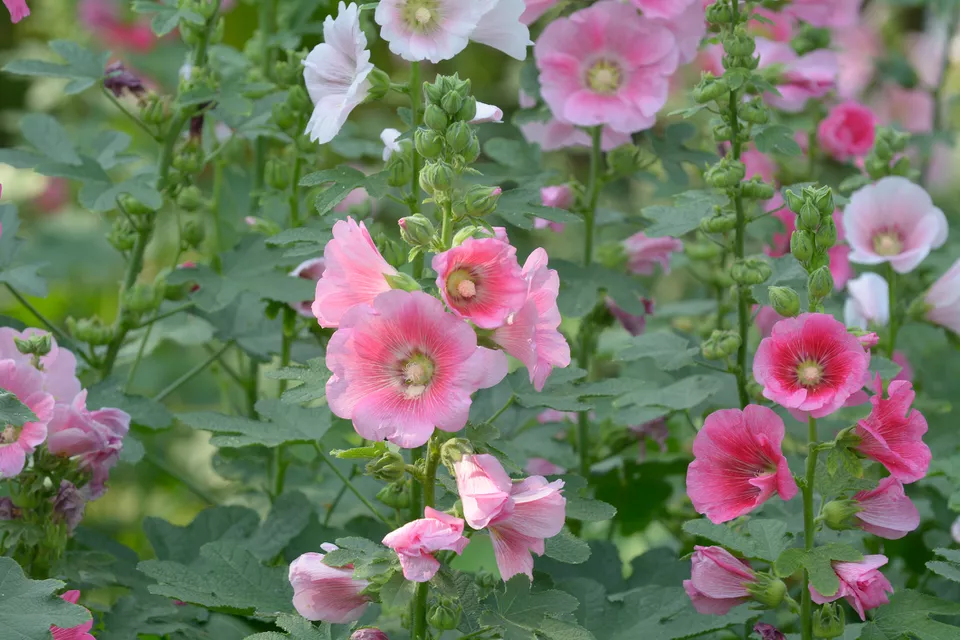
x=718, y=581
x=417, y=541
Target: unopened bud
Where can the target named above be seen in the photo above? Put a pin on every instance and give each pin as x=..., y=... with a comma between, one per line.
x=399, y=168
x=453, y=450
x=757, y=189
x=262, y=226
x=719, y=223
x=468, y=110
x=785, y=301
x=390, y=467
x=444, y=615
x=820, y=283
x=429, y=143
x=719, y=13
x=190, y=198
x=436, y=177
x=451, y=102
x=710, y=89
x=435, y=118
x=458, y=136
x=480, y=201
x=395, y=495
x=193, y=233
x=827, y=234
x=875, y=167
x=768, y=591
x=754, y=112
x=36, y=345
x=739, y=43
x=809, y=218
x=726, y=173
x=90, y=330
x=142, y=298
x=417, y=230
x=828, y=621
x=623, y=160
x=838, y=514
x=794, y=201
x=133, y=206
x=368, y=634
x=901, y=167
x=802, y=245
x=402, y=281
x=824, y=202
x=701, y=250
x=750, y=271
x=153, y=110
x=379, y=84
x=720, y=345
x=122, y=236
x=277, y=174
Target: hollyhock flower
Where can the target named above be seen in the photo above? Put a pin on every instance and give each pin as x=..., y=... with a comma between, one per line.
x=55, y=195
x=848, y=131
x=925, y=51
x=906, y=371
x=531, y=334
x=910, y=109
x=738, y=463
x=481, y=281
x=943, y=300
x=69, y=505
x=887, y=511
x=335, y=73
x=438, y=30
x=634, y=324
x=834, y=14
x=403, y=366
x=810, y=363
x=311, y=270
x=552, y=415
x=519, y=516
x=839, y=254
x=869, y=302
x=893, y=220
x=776, y=26
x=487, y=113
x=619, y=77
x=863, y=586
x=79, y=632
x=390, y=138
x=759, y=164
x=59, y=365
x=804, y=77
x=18, y=10
x=766, y=319
x=892, y=433
x=560, y=197
x=688, y=25
x=417, y=541
x=16, y=443
x=718, y=581
x=543, y=467
x=535, y=9
x=368, y=634
x=322, y=592
x=768, y=632
x=868, y=341
x=103, y=19
x=354, y=273
x=555, y=134
x=644, y=253
x=858, y=47
x=668, y=9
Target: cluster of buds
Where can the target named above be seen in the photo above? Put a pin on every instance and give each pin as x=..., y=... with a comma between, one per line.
x=193, y=32
x=815, y=234
x=92, y=330
x=720, y=345
x=886, y=158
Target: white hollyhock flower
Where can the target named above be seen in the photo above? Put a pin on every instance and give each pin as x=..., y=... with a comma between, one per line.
x=336, y=73
x=487, y=113
x=390, y=139
x=500, y=28
x=869, y=302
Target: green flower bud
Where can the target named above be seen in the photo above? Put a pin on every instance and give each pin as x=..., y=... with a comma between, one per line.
x=298, y=99
x=919, y=309
x=809, y=218
x=768, y=591
x=468, y=110
x=901, y=167
x=435, y=118
x=726, y=173
x=756, y=189
x=190, y=198
x=459, y=135
x=701, y=250
x=486, y=581
x=838, y=514
x=122, y=236
x=399, y=167
x=750, y=271
x=189, y=159
x=379, y=84
x=754, y=112
x=825, y=203
x=802, y=245
x=472, y=152
x=710, y=88
x=898, y=140
x=453, y=450
x=820, y=283
x=133, y=206
x=451, y=102
x=417, y=230
x=390, y=467
x=623, y=160
x=719, y=223
x=739, y=43
x=722, y=133
x=719, y=13
x=277, y=174
x=444, y=614
x=827, y=234
x=436, y=177
x=480, y=201
x=829, y=621
x=402, y=281
x=395, y=495
x=794, y=202
x=429, y=143
x=142, y=298
x=434, y=91
x=785, y=301
x=153, y=110
x=875, y=167
x=262, y=226
x=90, y=330
x=36, y=345
x=882, y=150
x=720, y=345
x=193, y=232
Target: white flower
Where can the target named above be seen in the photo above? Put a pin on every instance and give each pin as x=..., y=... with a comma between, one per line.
x=869, y=302
x=336, y=73
x=487, y=113
x=390, y=144
x=500, y=28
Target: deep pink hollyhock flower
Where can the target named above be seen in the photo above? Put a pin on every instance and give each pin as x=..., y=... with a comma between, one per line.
x=804, y=77
x=766, y=319
x=103, y=18
x=738, y=463
x=895, y=221
x=869, y=341
x=403, y=366
x=943, y=300
x=887, y=511
x=644, y=253
x=322, y=592
x=311, y=270
x=59, y=365
x=16, y=443
x=543, y=467
x=417, y=541
x=618, y=77
x=810, y=363
x=354, y=273
x=869, y=302
x=535, y=9
x=688, y=26
x=531, y=334
x=834, y=14
x=80, y=632
x=634, y=324
x=18, y=10
x=718, y=581
x=481, y=281
x=861, y=584
x=892, y=433
x=848, y=131
x=758, y=163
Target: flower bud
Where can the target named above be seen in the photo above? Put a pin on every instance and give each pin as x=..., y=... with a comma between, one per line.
x=838, y=514
x=785, y=301
x=189, y=159
x=722, y=133
x=262, y=226
x=451, y=102
x=453, y=450
x=719, y=223
x=369, y=634
x=190, y=198
x=726, y=173
x=277, y=174
x=458, y=136
x=435, y=118
x=898, y=140
x=794, y=201
x=133, y=206
x=720, y=345
x=90, y=330
x=828, y=621
x=399, y=168
x=429, y=143
x=142, y=298
x=193, y=233
x=739, y=43
x=875, y=167
x=472, y=152
x=436, y=176
x=768, y=591
x=379, y=84
x=417, y=230
x=827, y=233
x=444, y=614
x=901, y=167
x=750, y=271
x=390, y=467
x=701, y=250
x=820, y=283
x=719, y=13
x=882, y=150
x=802, y=245
x=36, y=345
x=480, y=201
x=298, y=99
x=824, y=202
x=153, y=110
x=122, y=236
x=402, y=281
x=754, y=112
x=710, y=88
x=434, y=91
x=395, y=495
x=468, y=110
x=757, y=189
x=809, y=218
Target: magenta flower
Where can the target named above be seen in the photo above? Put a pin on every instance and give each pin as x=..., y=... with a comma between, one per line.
x=848, y=131
x=892, y=434
x=322, y=592
x=738, y=464
x=403, y=366
x=417, y=541
x=618, y=77
x=943, y=300
x=79, y=632
x=895, y=221
x=810, y=363
x=887, y=511
x=833, y=14
x=311, y=270
x=18, y=10
x=718, y=581
x=644, y=253
x=869, y=341
x=59, y=365
x=869, y=302
x=354, y=273
x=803, y=78
x=16, y=443
x=861, y=584
x=519, y=516
x=481, y=281
x=759, y=164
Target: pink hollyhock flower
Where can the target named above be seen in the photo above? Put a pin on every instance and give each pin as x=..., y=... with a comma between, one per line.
x=552, y=415
x=560, y=197
x=543, y=467
x=848, y=131
x=519, y=516
x=906, y=371
x=18, y=10
x=59, y=365
x=369, y=634
x=804, y=77
x=417, y=541
x=54, y=196
x=354, y=273
x=356, y=199
x=766, y=319
x=668, y=9
x=322, y=592
x=895, y=221
x=925, y=51
x=810, y=363
x=869, y=302
x=839, y=254
x=834, y=14
x=80, y=632
x=335, y=73
x=619, y=77
x=103, y=19
x=887, y=511
x=738, y=463
x=644, y=253
x=555, y=134
x=718, y=581
x=777, y=26
x=531, y=334
x=311, y=270
x=403, y=366
x=758, y=164
x=863, y=586
x=943, y=300
x=688, y=26
x=858, y=47
x=892, y=433
x=487, y=113
x=481, y=281
x=535, y=9
x=634, y=324
x=910, y=109
x=16, y=443
x=869, y=341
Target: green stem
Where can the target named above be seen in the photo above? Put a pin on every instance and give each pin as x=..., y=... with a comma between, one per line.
x=500, y=411
x=216, y=237
x=429, y=488
x=416, y=493
x=194, y=488
x=268, y=25
x=416, y=97
x=894, y=315
x=166, y=314
x=346, y=481
x=446, y=228
x=189, y=375
x=252, y=387
x=279, y=465
x=806, y=604
x=136, y=120
x=54, y=329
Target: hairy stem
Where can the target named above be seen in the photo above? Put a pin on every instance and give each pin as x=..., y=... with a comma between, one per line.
x=416, y=97
x=429, y=488
x=806, y=604
x=279, y=465
x=894, y=315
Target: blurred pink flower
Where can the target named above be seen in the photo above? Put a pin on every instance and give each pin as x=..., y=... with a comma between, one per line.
x=943, y=300
x=16, y=443
x=558, y=196
x=910, y=109
x=688, y=25
x=766, y=319
x=848, y=131
x=322, y=592
x=80, y=632
x=634, y=324
x=779, y=28
x=59, y=365
x=826, y=13
x=104, y=18
x=417, y=541
x=644, y=253
x=893, y=434
x=54, y=196
x=887, y=511
x=804, y=77
x=18, y=10
x=555, y=134
x=863, y=586
x=668, y=9
x=857, y=48
x=758, y=164
x=311, y=270
x=925, y=52
x=718, y=581
x=543, y=467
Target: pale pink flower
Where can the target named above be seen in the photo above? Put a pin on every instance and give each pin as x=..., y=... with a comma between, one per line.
x=766, y=319
x=910, y=109
x=543, y=467
x=768, y=632
x=688, y=25
x=804, y=77
x=906, y=371
x=718, y=580
x=668, y=9
x=535, y=9
x=834, y=14
x=481, y=280
x=335, y=73
x=839, y=253
x=322, y=592
x=943, y=300
x=560, y=197
x=925, y=51
x=417, y=541
x=55, y=195
x=780, y=26
x=354, y=273
x=848, y=131
x=487, y=113
x=810, y=363
x=555, y=134
x=356, y=199
x=391, y=144
x=869, y=302
x=895, y=221
x=103, y=18
x=887, y=511
x=863, y=586
x=59, y=365
x=893, y=434
x=403, y=366
x=618, y=77
x=644, y=253
x=552, y=415
x=738, y=463
x=858, y=48
x=519, y=516
x=18, y=10
x=79, y=632
x=758, y=164
x=310, y=270
x=16, y=443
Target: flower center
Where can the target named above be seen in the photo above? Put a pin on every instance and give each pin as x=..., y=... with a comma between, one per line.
x=461, y=284
x=417, y=374
x=8, y=435
x=809, y=373
x=604, y=77
x=421, y=15
x=888, y=243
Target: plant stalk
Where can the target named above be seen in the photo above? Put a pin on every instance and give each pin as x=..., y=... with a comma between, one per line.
x=806, y=603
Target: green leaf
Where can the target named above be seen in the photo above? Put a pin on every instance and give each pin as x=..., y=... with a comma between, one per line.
x=567, y=548
x=287, y=519
x=84, y=67
x=672, y=151
x=345, y=179
x=763, y=539
x=580, y=288
x=521, y=205
x=909, y=614
x=287, y=423
x=182, y=544
x=166, y=15
x=143, y=411
x=684, y=216
x=818, y=563
x=298, y=628
x=49, y=138
x=776, y=138
x=520, y=611
x=313, y=379
x=28, y=607
x=888, y=369
x=518, y=155
x=683, y=394
x=23, y=277
x=949, y=567
x=668, y=350
x=144, y=614
x=100, y=194
x=14, y=412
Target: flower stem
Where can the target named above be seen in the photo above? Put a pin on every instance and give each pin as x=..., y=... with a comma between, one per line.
x=189, y=375
x=806, y=606
x=54, y=329
x=278, y=464
x=346, y=481
x=420, y=631
x=894, y=315
x=416, y=96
